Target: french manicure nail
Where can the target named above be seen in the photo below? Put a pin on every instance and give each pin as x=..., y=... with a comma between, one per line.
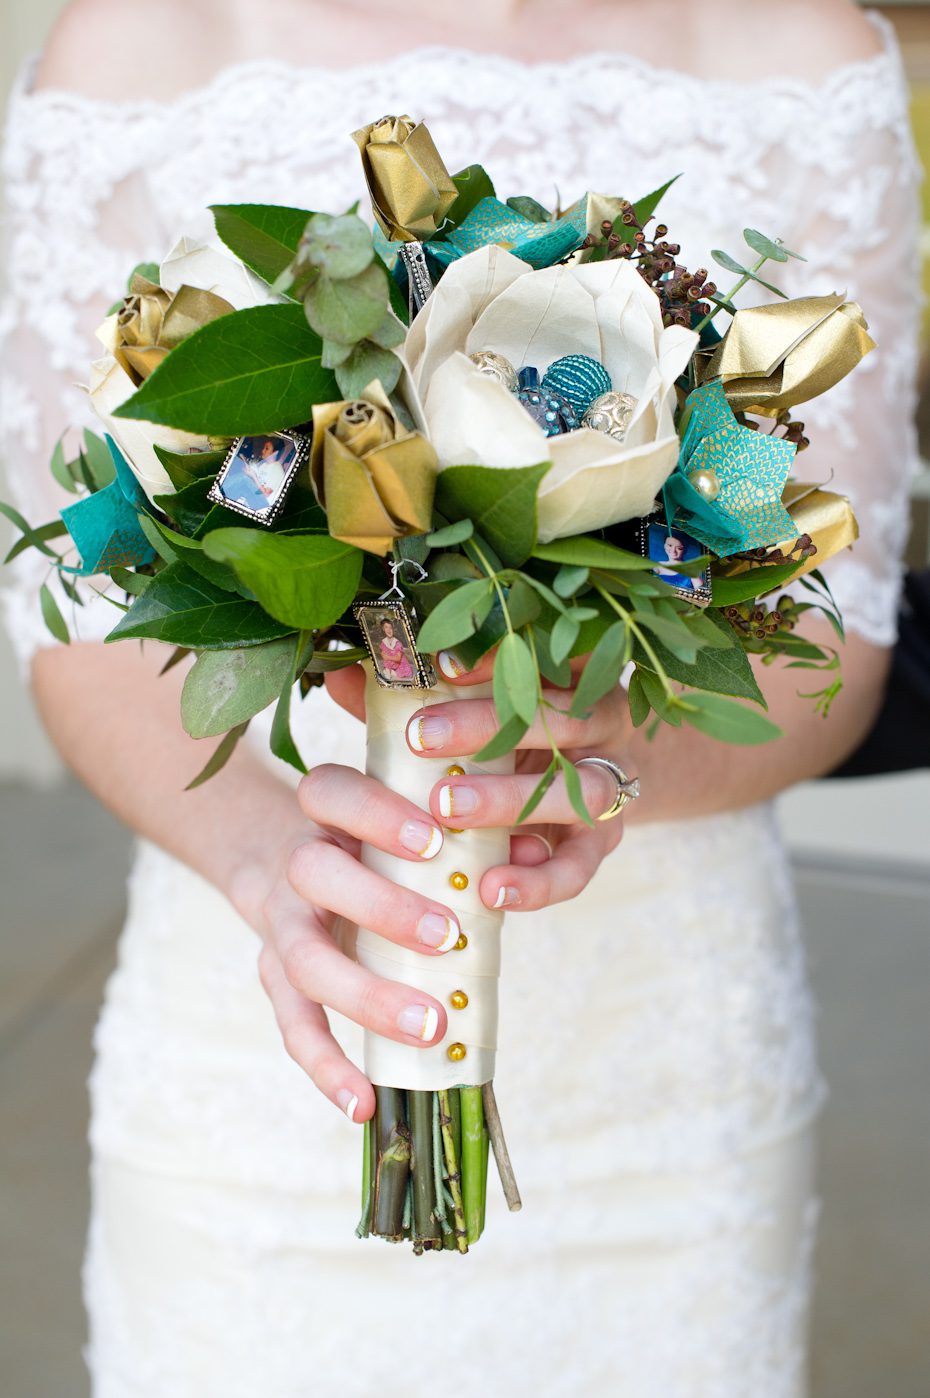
x=428, y=731
x=449, y=665
x=347, y=1102
x=420, y=1021
x=420, y=838
x=457, y=801
x=440, y=933
x=507, y=897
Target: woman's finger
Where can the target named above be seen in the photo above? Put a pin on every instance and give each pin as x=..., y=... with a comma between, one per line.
x=569, y=871
x=326, y=876
x=314, y=966
x=530, y=847
x=461, y=726
x=478, y=800
x=347, y=687
x=309, y=1041
x=344, y=799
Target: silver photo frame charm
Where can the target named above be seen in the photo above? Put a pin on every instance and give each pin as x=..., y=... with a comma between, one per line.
x=662, y=544
x=258, y=472
x=390, y=635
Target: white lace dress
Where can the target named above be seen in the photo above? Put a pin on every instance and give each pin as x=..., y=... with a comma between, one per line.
x=660, y=1101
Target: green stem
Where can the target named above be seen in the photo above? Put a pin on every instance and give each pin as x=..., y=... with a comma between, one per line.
x=364, y=1226
x=636, y=630
x=393, y=1167
x=452, y=1166
x=730, y=294
x=501, y=597
x=420, y=1109
x=474, y=1179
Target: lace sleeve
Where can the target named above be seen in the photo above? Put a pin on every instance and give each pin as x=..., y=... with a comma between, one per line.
x=859, y=232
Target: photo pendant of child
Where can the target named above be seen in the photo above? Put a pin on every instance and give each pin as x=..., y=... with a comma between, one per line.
x=390, y=636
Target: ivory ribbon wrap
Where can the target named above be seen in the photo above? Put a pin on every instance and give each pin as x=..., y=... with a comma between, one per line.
x=476, y=968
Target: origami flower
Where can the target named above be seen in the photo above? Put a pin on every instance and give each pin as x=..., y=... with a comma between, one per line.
x=410, y=188
x=491, y=300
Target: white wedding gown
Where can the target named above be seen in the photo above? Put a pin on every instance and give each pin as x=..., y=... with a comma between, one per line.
x=659, y=1100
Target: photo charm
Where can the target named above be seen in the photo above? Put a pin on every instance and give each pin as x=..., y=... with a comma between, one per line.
x=258, y=472
x=665, y=547
x=389, y=634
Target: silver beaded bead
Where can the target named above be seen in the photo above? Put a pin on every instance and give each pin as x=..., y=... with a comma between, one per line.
x=611, y=414
x=496, y=367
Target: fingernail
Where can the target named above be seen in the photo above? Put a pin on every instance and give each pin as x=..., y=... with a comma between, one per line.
x=457, y=800
x=347, y=1102
x=420, y=1021
x=507, y=897
x=440, y=933
x=449, y=666
x=428, y=731
x=420, y=838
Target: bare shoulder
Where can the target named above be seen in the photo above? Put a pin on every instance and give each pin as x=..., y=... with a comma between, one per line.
x=838, y=30
x=805, y=39
x=113, y=49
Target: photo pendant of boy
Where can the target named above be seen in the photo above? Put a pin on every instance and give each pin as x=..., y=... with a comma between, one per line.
x=389, y=630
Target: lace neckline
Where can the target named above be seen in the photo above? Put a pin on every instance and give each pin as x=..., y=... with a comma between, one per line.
x=573, y=69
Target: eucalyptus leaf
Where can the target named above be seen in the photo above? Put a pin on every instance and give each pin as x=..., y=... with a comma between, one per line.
x=305, y=581
x=719, y=671
x=55, y=529
x=184, y=609
x=335, y=353
x=728, y=720
x=33, y=536
x=673, y=633
x=264, y=236
x=602, y=672
x=221, y=755
x=349, y=310
x=639, y=704
x=390, y=333
x=457, y=616
x=764, y=246
x=99, y=461
x=452, y=534
x=723, y=259
x=558, y=673
x=514, y=664
x=539, y=791
x=564, y=635
x=523, y=604
x=282, y=739
x=61, y=469
x=504, y=740
x=366, y=363
x=584, y=552
x=241, y=375
x=227, y=687
x=500, y=500
x=51, y=615
x=575, y=794
x=569, y=579
x=338, y=244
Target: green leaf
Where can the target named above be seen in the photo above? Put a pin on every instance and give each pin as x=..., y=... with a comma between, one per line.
x=282, y=740
x=727, y=720
x=514, y=664
x=769, y=286
x=639, y=704
x=52, y=616
x=569, y=579
x=457, y=616
x=647, y=206
x=564, y=635
x=350, y=310
x=723, y=259
x=366, y=363
x=602, y=672
x=452, y=534
x=305, y=581
x=185, y=467
x=220, y=757
x=53, y=530
x=764, y=246
x=504, y=740
x=264, y=236
x=339, y=245
x=558, y=673
x=529, y=207
x=719, y=671
x=500, y=500
x=335, y=354
x=188, y=507
x=575, y=793
x=755, y=582
x=539, y=791
x=99, y=461
x=227, y=687
x=243, y=374
x=149, y=270
x=33, y=536
x=184, y=609
x=523, y=604
x=390, y=333
x=133, y=583
x=473, y=184
x=584, y=552
x=61, y=469
x=174, y=548
x=673, y=633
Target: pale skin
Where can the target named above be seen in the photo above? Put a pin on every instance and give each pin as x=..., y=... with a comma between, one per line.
x=290, y=866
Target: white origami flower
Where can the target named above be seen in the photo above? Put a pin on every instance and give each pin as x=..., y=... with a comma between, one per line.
x=490, y=300
x=188, y=264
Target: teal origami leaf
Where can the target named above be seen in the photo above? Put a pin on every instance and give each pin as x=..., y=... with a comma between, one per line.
x=751, y=468
x=105, y=526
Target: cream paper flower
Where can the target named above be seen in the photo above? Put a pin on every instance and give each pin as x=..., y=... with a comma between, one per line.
x=491, y=300
x=188, y=264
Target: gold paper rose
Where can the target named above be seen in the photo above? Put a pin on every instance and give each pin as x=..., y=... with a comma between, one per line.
x=410, y=188
x=774, y=357
x=823, y=515
x=374, y=479
x=152, y=321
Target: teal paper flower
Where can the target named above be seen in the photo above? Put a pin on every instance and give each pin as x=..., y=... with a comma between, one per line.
x=750, y=467
x=105, y=526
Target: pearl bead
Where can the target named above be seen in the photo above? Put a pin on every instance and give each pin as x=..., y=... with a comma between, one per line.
x=458, y=999
x=705, y=482
x=456, y=1052
x=455, y=770
x=496, y=367
x=459, y=881
x=461, y=943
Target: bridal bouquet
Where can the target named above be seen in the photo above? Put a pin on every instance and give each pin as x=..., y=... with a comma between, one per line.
x=483, y=426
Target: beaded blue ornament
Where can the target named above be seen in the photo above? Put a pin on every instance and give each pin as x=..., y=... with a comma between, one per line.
x=579, y=378
x=550, y=411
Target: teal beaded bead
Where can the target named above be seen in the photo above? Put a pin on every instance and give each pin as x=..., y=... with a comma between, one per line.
x=579, y=378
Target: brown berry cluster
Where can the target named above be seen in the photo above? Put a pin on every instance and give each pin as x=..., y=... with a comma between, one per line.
x=681, y=293
x=756, y=624
x=784, y=427
x=803, y=547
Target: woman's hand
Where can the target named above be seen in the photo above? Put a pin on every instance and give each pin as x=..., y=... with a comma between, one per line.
x=556, y=856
